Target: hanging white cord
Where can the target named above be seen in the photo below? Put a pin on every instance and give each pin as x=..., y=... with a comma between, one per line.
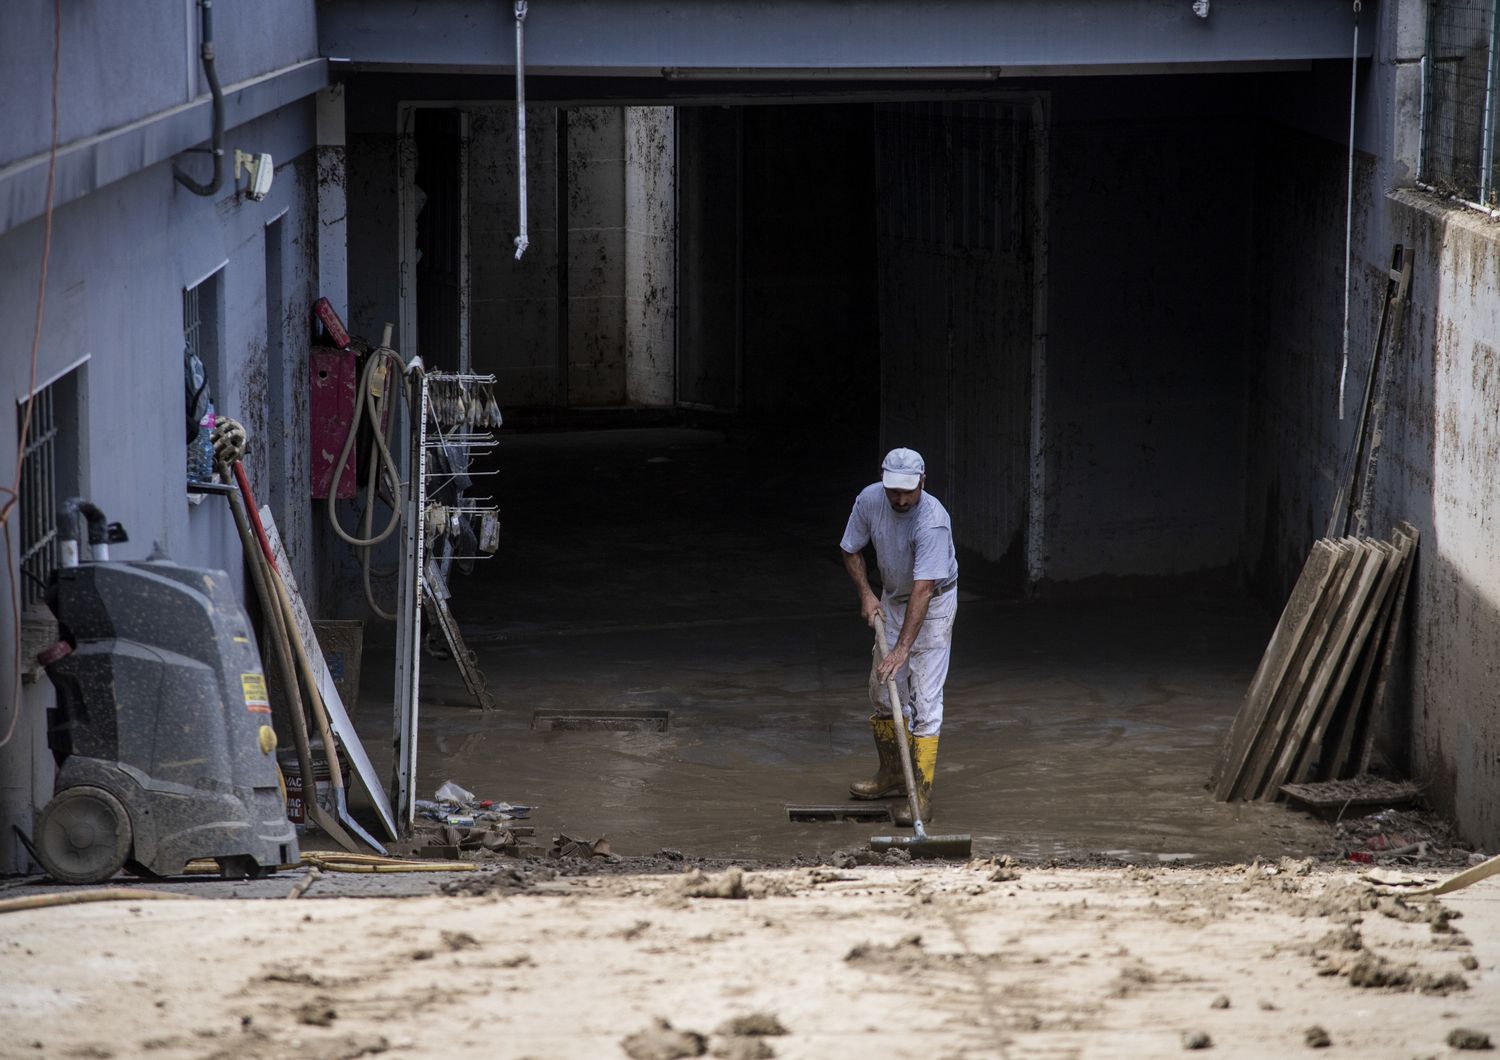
x=521, y=241
x=1349, y=210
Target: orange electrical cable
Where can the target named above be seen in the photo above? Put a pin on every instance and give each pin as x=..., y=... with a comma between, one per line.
x=12, y=565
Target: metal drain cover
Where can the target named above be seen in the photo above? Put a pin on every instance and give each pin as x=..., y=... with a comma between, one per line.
x=601, y=720
x=839, y=814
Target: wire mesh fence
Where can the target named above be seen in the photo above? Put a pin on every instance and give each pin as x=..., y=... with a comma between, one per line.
x=1458, y=143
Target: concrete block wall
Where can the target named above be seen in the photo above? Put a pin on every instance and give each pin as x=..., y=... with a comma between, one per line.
x=619, y=245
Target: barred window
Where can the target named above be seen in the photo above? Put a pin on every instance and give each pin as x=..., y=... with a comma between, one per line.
x=38, y=505
x=50, y=474
x=1459, y=116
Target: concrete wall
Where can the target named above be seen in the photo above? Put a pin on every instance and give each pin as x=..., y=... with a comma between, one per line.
x=1445, y=478
x=1441, y=440
x=955, y=223
x=611, y=262
x=120, y=259
x=650, y=256
x=1148, y=255
x=122, y=62
x=810, y=356
x=1440, y=461
x=515, y=303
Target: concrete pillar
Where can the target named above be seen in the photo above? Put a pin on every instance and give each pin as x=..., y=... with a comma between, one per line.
x=651, y=253
x=1405, y=115
x=333, y=213
x=597, y=258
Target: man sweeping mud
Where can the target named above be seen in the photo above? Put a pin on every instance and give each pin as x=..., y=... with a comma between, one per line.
x=913, y=539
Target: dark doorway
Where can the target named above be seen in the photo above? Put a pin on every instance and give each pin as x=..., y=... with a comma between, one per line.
x=440, y=258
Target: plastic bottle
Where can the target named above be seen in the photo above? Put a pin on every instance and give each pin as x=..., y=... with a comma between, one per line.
x=201, y=453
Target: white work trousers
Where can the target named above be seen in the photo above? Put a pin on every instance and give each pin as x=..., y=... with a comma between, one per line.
x=920, y=680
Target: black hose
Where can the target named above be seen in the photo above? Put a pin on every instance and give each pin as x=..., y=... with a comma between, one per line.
x=217, y=150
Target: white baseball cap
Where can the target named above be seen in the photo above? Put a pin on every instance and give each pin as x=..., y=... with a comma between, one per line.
x=902, y=469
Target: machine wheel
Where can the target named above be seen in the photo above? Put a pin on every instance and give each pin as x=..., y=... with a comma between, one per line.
x=242, y=867
x=83, y=835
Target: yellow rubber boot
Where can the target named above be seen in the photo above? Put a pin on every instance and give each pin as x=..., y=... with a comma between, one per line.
x=887, y=781
x=924, y=765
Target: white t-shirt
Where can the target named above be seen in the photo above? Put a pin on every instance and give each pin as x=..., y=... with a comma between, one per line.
x=908, y=546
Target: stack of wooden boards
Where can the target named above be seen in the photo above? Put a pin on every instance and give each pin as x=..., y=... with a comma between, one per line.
x=1309, y=712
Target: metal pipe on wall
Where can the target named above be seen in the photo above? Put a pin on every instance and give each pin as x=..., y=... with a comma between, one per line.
x=1487, y=145
x=206, y=53
x=521, y=241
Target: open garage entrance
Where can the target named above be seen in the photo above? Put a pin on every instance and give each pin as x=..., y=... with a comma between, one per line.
x=729, y=313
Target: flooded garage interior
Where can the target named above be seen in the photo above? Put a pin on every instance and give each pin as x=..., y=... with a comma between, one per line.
x=1073, y=298
x=694, y=572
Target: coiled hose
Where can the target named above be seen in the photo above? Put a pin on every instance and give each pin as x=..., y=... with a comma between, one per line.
x=384, y=372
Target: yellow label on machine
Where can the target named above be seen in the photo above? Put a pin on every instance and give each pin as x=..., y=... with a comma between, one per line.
x=256, y=699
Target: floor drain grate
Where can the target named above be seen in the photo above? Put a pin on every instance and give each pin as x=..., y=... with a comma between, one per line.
x=838, y=814
x=601, y=720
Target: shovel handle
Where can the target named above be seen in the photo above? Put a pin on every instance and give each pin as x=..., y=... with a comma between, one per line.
x=898, y=711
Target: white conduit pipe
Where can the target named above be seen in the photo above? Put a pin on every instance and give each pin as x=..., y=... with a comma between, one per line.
x=1349, y=210
x=521, y=241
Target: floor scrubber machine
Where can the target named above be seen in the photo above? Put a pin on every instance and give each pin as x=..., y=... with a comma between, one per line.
x=162, y=729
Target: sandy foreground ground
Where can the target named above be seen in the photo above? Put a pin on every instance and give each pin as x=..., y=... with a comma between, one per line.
x=977, y=960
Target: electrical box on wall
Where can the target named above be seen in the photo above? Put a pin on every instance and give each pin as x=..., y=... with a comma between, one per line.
x=334, y=384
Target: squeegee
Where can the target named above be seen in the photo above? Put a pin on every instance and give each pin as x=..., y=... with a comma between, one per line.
x=919, y=844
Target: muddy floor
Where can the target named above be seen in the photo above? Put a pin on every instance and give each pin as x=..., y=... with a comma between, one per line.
x=1111, y=908
x=697, y=574
x=976, y=960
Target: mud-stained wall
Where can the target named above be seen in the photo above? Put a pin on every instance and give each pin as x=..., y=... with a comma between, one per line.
x=1295, y=438
x=119, y=261
x=955, y=228
x=650, y=256
x=1440, y=455
x=514, y=304
x=1443, y=474
x=611, y=260
x=1147, y=273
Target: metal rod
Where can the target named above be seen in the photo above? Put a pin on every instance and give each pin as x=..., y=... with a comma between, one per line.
x=521, y=241
x=1426, y=71
x=1487, y=147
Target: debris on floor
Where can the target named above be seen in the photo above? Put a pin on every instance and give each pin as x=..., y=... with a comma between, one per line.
x=1316, y=1037
x=456, y=823
x=1361, y=794
x=566, y=846
x=1399, y=837
x=1464, y=1038
x=455, y=805
x=728, y=884
x=661, y=1041
x=1197, y=1040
